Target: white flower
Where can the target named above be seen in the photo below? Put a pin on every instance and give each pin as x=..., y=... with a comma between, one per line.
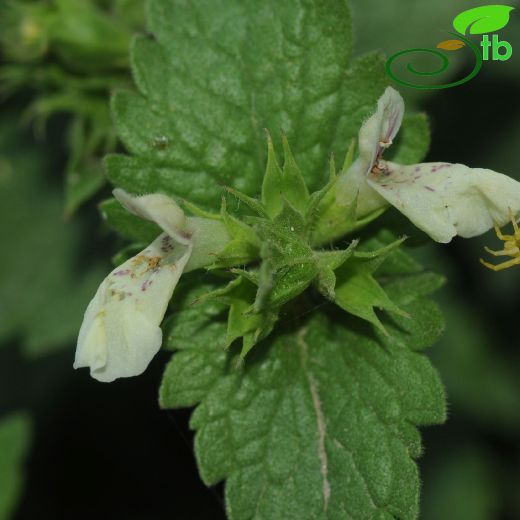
x=120, y=333
x=442, y=199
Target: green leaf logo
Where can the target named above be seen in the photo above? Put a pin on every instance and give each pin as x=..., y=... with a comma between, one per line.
x=481, y=20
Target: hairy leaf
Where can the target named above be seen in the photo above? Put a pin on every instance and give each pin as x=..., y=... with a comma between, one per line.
x=318, y=422
x=197, y=122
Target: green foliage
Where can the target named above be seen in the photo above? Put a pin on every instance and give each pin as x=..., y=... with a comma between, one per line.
x=71, y=54
x=14, y=441
x=192, y=327
x=320, y=418
x=255, y=66
x=241, y=323
x=83, y=35
x=280, y=234
x=310, y=421
x=42, y=294
x=317, y=422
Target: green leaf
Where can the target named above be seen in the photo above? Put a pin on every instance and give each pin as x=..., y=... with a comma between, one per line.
x=396, y=263
x=335, y=258
x=14, y=443
x=319, y=419
x=326, y=283
x=195, y=320
x=317, y=423
x=198, y=323
x=256, y=65
x=481, y=20
x=194, y=324
x=243, y=321
x=420, y=324
x=424, y=322
x=71, y=54
x=407, y=287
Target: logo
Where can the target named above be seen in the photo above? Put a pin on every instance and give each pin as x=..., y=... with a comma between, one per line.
x=478, y=21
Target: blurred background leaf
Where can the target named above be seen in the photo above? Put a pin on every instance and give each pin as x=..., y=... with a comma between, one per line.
x=462, y=486
x=44, y=287
x=70, y=54
x=14, y=442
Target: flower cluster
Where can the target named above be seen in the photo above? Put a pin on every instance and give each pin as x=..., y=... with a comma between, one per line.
x=121, y=330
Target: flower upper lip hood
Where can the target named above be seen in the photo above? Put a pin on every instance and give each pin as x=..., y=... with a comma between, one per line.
x=160, y=209
x=442, y=199
x=378, y=132
x=120, y=333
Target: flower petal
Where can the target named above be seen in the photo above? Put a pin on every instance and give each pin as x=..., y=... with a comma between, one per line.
x=445, y=199
x=160, y=209
x=120, y=333
x=379, y=130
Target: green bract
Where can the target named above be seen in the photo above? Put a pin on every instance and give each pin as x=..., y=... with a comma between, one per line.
x=283, y=233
